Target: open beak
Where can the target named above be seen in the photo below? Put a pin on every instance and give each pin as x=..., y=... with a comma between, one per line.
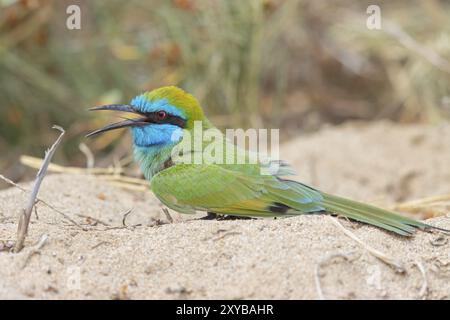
x=121, y=124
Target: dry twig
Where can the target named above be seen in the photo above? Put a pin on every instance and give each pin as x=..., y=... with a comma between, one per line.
x=93, y=219
x=112, y=174
x=409, y=42
x=34, y=162
x=24, y=219
x=376, y=253
x=124, y=219
x=35, y=249
x=90, y=160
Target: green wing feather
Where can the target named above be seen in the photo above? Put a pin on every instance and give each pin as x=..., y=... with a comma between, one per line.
x=230, y=189
x=372, y=215
x=242, y=191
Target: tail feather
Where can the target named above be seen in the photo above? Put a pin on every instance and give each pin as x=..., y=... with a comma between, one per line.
x=372, y=215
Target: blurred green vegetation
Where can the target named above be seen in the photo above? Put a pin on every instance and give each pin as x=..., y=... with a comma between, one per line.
x=273, y=63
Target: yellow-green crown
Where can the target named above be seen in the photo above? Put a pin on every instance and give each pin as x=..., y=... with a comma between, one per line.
x=172, y=100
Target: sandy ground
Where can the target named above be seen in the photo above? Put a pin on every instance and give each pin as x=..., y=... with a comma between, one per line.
x=154, y=258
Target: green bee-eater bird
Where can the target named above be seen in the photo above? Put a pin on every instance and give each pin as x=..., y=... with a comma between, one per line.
x=166, y=116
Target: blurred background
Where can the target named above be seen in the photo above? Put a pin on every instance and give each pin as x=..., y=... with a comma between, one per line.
x=259, y=63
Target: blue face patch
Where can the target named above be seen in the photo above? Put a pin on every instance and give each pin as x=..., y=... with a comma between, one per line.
x=156, y=134
x=142, y=104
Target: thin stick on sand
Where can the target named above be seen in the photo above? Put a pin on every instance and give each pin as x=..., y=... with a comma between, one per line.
x=35, y=249
x=36, y=163
x=376, y=253
x=111, y=174
x=24, y=219
x=90, y=159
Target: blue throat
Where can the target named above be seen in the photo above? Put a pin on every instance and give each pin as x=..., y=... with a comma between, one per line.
x=153, y=143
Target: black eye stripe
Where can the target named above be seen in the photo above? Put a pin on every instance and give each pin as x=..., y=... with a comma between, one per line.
x=178, y=121
x=170, y=119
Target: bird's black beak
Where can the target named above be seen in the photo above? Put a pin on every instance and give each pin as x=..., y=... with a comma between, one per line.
x=122, y=124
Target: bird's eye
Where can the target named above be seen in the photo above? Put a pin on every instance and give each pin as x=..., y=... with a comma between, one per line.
x=161, y=115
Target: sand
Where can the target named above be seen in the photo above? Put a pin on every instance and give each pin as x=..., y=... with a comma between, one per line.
x=153, y=258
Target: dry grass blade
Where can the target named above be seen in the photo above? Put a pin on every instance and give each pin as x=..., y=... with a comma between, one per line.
x=111, y=174
x=90, y=159
x=409, y=42
x=35, y=163
x=124, y=218
x=24, y=219
x=126, y=180
x=428, y=207
x=420, y=203
x=376, y=253
x=42, y=241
